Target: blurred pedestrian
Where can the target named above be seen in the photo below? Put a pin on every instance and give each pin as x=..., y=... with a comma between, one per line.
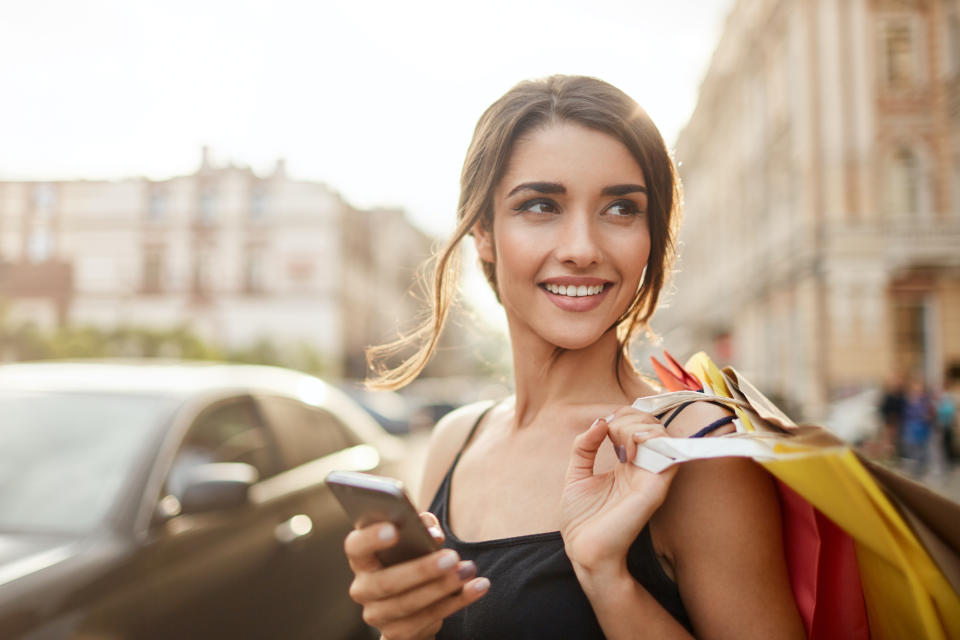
x=891, y=412
x=946, y=421
x=572, y=200
x=917, y=427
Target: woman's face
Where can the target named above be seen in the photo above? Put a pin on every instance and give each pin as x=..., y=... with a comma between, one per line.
x=570, y=238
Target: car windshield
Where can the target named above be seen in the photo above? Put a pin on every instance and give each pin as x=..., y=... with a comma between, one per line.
x=64, y=457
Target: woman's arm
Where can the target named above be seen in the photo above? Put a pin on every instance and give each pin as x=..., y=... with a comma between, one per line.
x=602, y=516
x=720, y=527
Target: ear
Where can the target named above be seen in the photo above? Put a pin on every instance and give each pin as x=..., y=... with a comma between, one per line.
x=483, y=241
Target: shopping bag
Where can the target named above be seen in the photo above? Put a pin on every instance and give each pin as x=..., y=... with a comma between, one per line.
x=870, y=553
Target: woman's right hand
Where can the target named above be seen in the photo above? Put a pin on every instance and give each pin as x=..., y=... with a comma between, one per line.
x=410, y=599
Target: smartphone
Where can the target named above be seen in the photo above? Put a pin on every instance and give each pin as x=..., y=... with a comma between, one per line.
x=369, y=498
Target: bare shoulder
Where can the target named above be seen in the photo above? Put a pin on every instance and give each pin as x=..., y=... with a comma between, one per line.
x=446, y=439
x=721, y=528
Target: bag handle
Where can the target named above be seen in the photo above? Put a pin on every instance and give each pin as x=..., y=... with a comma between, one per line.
x=663, y=402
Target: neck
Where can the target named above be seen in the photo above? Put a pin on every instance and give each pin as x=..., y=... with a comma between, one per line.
x=545, y=379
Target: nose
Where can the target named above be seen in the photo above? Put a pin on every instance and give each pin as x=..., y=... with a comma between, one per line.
x=577, y=244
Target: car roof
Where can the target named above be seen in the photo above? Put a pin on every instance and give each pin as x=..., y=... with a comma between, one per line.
x=187, y=380
x=161, y=377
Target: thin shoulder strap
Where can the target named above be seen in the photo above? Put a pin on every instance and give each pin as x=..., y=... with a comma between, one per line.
x=473, y=430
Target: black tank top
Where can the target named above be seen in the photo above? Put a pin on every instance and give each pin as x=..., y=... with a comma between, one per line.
x=534, y=592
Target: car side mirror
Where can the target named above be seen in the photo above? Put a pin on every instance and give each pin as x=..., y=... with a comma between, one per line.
x=217, y=486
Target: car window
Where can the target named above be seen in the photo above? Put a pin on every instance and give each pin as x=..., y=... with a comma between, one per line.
x=231, y=431
x=65, y=458
x=305, y=432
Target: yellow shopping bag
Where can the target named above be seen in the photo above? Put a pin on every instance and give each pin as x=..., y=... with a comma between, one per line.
x=906, y=538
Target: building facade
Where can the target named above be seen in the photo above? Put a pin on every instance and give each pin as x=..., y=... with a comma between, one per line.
x=236, y=257
x=821, y=245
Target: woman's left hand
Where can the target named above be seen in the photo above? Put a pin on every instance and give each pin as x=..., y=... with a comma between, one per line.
x=602, y=514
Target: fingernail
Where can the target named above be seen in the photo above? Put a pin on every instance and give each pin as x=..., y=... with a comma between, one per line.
x=388, y=532
x=621, y=453
x=481, y=585
x=609, y=418
x=466, y=570
x=435, y=532
x=447, y=560
x=595, y=422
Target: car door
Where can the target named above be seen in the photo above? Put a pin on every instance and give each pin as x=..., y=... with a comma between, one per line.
x=313, y=442
x=201, y=575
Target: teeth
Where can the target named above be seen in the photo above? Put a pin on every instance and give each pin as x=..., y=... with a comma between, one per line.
x=574, y=291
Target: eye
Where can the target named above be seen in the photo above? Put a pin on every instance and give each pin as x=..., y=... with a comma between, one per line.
x=538, y=205
x=624, y=208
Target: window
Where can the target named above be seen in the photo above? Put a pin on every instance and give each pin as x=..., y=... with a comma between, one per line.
x=40, y=245
x=899, y=54
x=201, y=272
x=953, y=42
x=229, y=432
x=44, y=199
x=254, y=280
x=157, y=205
x=903, y=182
x=208, y=206
x=910, y=339
x=258, y=203
x=306, y=433
x=152, y=270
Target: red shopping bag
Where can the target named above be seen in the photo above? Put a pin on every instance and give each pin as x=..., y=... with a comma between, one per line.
x=824, y=573
x=821, y=557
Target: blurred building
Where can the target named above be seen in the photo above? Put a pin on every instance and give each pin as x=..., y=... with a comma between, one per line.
x=821, y=168
x=236, y=257
x=387, y=252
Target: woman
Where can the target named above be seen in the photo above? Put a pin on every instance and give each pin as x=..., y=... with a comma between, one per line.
x=573, y=205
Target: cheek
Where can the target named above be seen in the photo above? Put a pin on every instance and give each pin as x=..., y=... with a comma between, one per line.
x=635, y=252
x=516, y=256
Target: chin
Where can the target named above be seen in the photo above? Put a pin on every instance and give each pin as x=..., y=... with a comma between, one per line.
x=574, y=342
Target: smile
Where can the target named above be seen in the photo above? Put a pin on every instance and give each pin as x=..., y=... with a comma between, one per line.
x=574, y=291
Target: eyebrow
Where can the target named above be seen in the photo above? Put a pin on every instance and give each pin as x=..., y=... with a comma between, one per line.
x=623, y=189
x=556, y=187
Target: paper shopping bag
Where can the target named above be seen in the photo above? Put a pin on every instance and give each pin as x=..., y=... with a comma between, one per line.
x=850, y=528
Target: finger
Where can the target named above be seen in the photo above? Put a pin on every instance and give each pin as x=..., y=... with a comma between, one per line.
x=402, y=577
x=433, y=526
x=638, y=436
x=631, y=411
x=427, y=619
x=413, y=601
x=361, y=545
x=623, y=426
x=471, y=592
x=584, y=452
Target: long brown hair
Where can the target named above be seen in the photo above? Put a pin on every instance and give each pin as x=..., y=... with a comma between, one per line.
x=530, y=105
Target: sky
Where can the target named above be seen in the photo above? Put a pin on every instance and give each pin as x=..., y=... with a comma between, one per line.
x=376, y=99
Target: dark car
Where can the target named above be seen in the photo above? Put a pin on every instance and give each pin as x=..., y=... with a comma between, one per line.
x=177, y=501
